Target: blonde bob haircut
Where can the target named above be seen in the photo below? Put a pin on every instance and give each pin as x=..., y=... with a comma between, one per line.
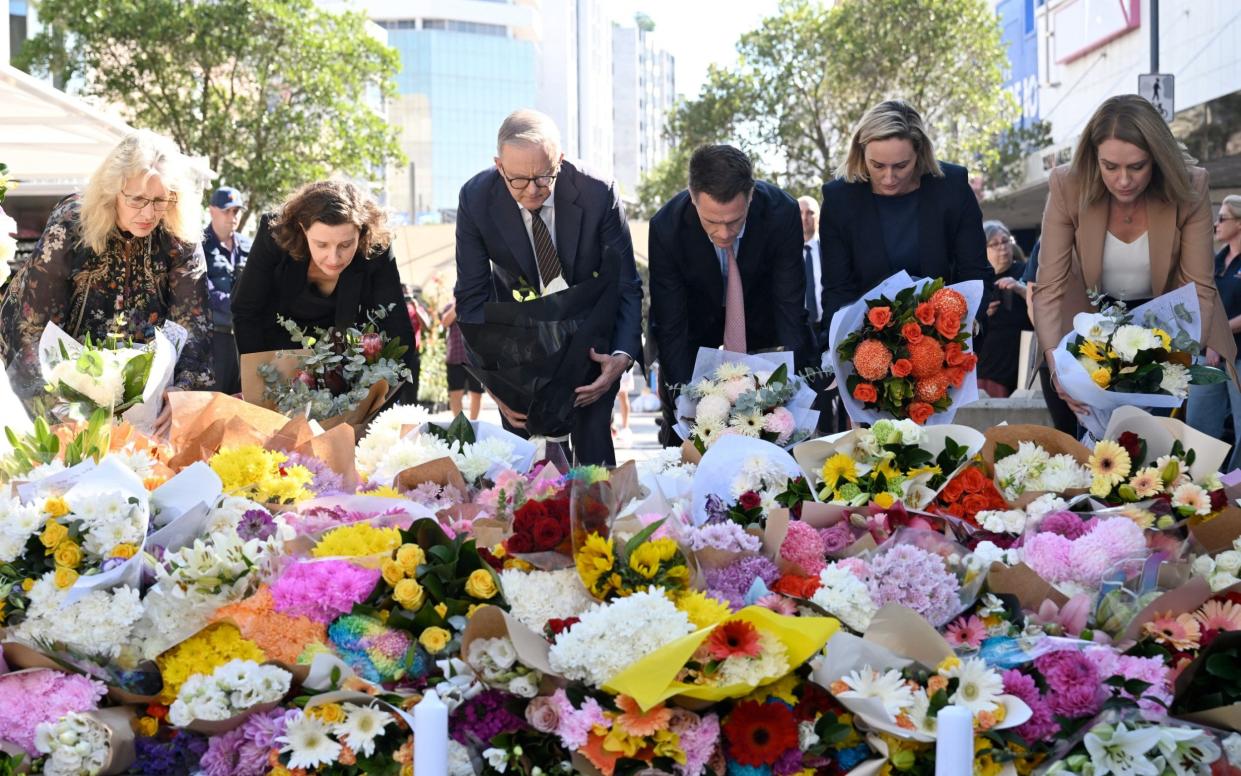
x=1131, y=118
x=893, y=119
x=141, y=153
x=1232, y=203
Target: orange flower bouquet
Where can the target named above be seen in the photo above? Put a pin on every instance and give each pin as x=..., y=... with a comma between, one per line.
x=903, y=350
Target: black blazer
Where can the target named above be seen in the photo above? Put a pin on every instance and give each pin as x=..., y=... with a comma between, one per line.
x=589, y=218
x=950, y=237
x=272, y=280
x=687, y=285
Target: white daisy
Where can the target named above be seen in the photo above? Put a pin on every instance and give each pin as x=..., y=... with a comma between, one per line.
x=889, y=688
x=707, y=432
x=978, y=687
x=308, y=742
x=362, y=725
x=750, y=425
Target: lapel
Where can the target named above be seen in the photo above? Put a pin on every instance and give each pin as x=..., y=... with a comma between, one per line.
x=568, y=222
x=512, y=229
x=700, y=257
x=868, y=228
x=349, y=293
x=1091, y=235
x=750, y=247
x=1160, y=228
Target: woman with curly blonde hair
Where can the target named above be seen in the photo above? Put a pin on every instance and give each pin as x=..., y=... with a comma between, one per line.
x=323, y=259
x=121, y=258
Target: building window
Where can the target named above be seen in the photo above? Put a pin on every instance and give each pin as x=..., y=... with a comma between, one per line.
x=473, y=28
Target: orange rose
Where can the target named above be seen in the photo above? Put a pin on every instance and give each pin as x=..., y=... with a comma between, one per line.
x=901, y=367
x=920, y=412
x=879, y=317
x=973, y=480
x=956, y=376
x=953, y=354
x=912, y=333
x=925, y=312
x=970, y=362
x=953, y=491
x=974, y=504
x=865, y=392
x=948, y=324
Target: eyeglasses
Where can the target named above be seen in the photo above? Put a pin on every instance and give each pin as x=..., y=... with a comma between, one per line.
x=140, y=203
x=542, y=181
x=1222, y=219
x=1000, y=243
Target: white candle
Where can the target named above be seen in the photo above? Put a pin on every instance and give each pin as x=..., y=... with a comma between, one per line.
x=954, y=742
x=430, y=736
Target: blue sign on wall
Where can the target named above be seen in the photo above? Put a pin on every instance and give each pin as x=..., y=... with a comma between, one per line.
x=1020, y=38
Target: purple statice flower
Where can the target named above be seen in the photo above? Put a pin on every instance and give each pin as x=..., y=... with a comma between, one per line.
x=256, y=524
x=732, y=582
x=322, y=590
x=244, y=751
x=326, y=482
x=716, y=509
x=1042, y=724
x=916, y=579
x=483, y=717
x=179, y=754
x=836, y=538
x=1074, y=689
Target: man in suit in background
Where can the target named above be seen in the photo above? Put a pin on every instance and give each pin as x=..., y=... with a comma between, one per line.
x=538, y=220
x=813, y=260
x=727, y=270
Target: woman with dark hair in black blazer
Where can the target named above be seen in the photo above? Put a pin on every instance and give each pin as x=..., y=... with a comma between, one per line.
x=894, y=207
x=323, y=259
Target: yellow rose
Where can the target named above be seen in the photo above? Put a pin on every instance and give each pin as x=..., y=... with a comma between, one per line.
x=330, y=713
x=481, y=584
x=410, y=556
x=56, y=507
x=434, y=639
x=124, y=551
x=53, y=534
x=146, y=726
x=884, y=500
x=67, y=554
x=392, y=572
x=442, y=611
x=27, y=583
x=408, y=593
x=65, y=577
x=1102, y=377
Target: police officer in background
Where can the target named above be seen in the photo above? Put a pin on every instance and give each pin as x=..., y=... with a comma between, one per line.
x=226, y=250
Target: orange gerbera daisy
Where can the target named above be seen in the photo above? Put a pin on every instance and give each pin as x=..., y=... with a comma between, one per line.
x=636, y=722
x=733, y=638
x=871, y=359
x=1180, y=632
x=1219, y=616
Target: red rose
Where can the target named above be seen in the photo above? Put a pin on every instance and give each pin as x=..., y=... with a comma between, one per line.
x=973, y=480
x=948, y=325
x=920, y=412
x=901, y=367
x=865, y=393
x=558, y=507
x=1219, y=499
x=796, y=586
x=1132, y=444
x=953, y=354
x=556, y=626
x=879, y=317
x=547, y=533
x=750, y=500
x=953, y=491
x=519, y=542
x=912, y=332
x=925, y=312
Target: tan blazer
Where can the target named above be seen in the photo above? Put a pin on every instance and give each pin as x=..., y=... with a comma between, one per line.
x=1071, y=258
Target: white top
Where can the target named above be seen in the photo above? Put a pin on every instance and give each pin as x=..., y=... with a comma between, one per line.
x=1126, y=268
x=548, y=214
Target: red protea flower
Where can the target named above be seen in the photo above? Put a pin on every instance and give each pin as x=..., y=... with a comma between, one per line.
x=759, y=733
x=372, y=344
x=871, y=359
x=946, y=300
x=926, y=356
x=734, y=638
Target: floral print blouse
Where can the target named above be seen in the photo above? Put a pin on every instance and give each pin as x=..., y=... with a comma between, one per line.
x=135, y=285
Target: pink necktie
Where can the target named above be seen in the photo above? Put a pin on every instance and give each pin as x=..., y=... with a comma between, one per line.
x=734, y=307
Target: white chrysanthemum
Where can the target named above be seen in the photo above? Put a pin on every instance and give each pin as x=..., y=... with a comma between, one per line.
x=480, y=457
x=712, y=409
x=1002, y=520
x=611, y=636
x=1175, y=380
x=384, y=432
x=1062, y=473
x=1130, y=340
x=140, y=462
x=18, y=522
x=771, y=663
x=846, y=597
x=888, y=687
x=98, y=624
x=361, y=726
x=731, y=370
x=538, y=596
x=979, y=687
x=308, y=743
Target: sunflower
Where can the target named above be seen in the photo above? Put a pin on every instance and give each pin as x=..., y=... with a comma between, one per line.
x=758, y=734
x=1110, y=463
x=840, y=466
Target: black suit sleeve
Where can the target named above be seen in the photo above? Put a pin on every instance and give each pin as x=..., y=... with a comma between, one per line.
x=789, y=285
x=386, y=293
x=840, y=284
x=669, y=310
x=254, y=295
x=967, y=248
x=473, y=265
x=627, y=335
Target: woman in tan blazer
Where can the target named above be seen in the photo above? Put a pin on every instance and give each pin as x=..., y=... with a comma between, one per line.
x=1130, y=218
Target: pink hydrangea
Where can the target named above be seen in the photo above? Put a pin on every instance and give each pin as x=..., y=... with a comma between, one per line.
x=804, y=547
x=27, y=699
x=781, y=423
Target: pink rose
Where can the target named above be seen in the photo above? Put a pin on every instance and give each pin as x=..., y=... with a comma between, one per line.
x=543, y=714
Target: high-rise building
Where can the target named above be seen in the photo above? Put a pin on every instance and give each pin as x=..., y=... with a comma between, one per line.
x=575, y=78
x=643, y=93
x=465, y=65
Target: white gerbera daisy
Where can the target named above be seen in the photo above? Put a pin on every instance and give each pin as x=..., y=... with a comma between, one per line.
x=307, y=741
x=888, y=687
x=978, y=687
x=1191, y=496
x=707, y=432
x=750, y=425
x=362, y=725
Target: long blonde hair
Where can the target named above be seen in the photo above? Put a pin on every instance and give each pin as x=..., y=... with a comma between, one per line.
x=1134, y=120
x=141, y=153
x=885, y=121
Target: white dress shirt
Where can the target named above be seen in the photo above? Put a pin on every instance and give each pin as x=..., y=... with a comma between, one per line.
x=548, y=214
x=817, y=260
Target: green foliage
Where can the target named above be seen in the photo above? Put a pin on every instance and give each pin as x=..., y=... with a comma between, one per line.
x=274, y=93
x=807, y=75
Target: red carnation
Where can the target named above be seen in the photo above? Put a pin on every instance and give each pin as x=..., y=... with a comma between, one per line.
x=796, y=586
x=750, y=500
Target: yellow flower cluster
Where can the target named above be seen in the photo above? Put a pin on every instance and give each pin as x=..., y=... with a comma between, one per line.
x=261, y=475
x=655, y=562
x=403, y=563
x=594, y=561
x=702, y=610
x=359, y=539
x=213, y=646
x=64, y=550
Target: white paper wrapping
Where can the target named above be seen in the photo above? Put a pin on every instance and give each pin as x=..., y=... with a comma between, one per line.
x=849, y=319
x=111, y=476
x=723, y=461
x=1160, y=434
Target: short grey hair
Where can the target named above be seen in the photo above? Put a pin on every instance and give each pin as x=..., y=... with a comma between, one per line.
x=810, y=202
x=530, y=127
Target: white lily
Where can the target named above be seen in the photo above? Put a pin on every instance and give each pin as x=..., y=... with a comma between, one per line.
x=1189, y=751
x=1122, y=751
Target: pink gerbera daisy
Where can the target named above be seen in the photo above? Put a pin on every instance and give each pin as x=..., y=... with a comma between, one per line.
x=965, y=632
x=1180, y=632
x=778, y=604
x=1219, y=616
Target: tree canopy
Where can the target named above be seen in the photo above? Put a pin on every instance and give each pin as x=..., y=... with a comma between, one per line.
x=273, y=93
x=806, y=76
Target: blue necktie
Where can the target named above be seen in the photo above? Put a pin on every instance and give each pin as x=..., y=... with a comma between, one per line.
x=812, y=305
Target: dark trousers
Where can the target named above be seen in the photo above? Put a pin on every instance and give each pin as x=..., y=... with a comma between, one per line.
x=591, y=439
x=1063, y=418
x=227, y=369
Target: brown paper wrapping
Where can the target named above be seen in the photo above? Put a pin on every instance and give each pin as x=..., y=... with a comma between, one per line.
x=690, y=454
x=441, y=471
x=203, y=423
x=1053, y=441
x=219, y=727
x=488, y=532
x=1217, y=534
x=286, y=363
x=1225, y=717
x=1184, y=599
x=119, y=722
x=1024, y=584
x=908, y=634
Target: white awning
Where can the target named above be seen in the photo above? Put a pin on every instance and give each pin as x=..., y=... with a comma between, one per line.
x=50, y=140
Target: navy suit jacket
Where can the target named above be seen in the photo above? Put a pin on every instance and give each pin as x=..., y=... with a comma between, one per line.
x=950, y=237
x=687, y=284
x=495, y=257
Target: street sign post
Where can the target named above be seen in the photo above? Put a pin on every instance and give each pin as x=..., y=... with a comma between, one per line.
x=1160, y=89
